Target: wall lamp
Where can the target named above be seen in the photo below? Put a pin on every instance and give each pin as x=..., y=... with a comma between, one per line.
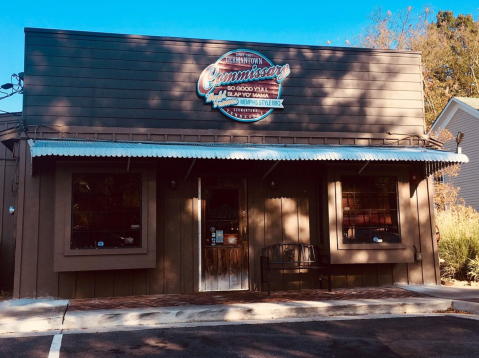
x=14, y=86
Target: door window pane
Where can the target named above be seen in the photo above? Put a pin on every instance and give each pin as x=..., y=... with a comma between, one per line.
x=221, y=217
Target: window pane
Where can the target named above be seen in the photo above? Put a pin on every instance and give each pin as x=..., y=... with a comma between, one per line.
x=106, y=211
x=98, y=202
x=348, y=187
x=116, y=202
x=383, y=203
x=132, y=221
x=98, y=220
x=221, y=216
x=81, y=220
x=370, y=210
x=81, y=239
x=375, y=218
x=362, y=201
x=116, y=220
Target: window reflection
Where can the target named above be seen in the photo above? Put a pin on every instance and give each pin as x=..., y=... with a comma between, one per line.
x=106, y=211
x=370, y=210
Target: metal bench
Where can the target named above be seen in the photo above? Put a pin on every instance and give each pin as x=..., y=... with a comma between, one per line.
x=294, y=256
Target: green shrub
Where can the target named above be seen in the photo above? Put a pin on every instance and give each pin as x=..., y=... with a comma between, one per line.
x=459, y=241
x=473, y=269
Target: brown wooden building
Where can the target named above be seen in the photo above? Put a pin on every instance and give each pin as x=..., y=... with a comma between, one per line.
x=163, y=165
x=8, y=122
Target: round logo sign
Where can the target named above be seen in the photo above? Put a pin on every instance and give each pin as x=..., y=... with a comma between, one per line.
x=243, y=84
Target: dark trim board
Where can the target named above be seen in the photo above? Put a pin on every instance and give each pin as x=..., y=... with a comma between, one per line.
x=42, y=32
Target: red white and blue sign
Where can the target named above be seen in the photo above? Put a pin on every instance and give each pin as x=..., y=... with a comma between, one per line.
x=243, y=84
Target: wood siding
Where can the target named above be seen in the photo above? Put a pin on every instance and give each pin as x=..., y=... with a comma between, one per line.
x=416, y=212
x=7, y=199
x=91, y=79
x=291, y=212
x=468, y=178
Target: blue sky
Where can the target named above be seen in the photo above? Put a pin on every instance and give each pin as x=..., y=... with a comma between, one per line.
x=290, y=22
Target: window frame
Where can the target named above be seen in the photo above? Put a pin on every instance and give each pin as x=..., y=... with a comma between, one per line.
x=387, y=253
x=339, y=212
x=398, y=218
x=141, y=210
x=68, y=259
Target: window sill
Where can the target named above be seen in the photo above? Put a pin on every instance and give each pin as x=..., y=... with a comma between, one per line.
x=379, y=246
x=95, y=252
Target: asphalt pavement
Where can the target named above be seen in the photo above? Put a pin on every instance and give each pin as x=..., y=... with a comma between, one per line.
x=438, y=336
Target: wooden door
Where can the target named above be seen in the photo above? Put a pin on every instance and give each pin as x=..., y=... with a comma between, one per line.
x=224, y=235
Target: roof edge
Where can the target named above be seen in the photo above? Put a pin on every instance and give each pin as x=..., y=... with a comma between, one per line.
x=448, y=113
x=215, y=41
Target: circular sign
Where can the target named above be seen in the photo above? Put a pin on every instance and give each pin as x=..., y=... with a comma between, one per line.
x=243, y=84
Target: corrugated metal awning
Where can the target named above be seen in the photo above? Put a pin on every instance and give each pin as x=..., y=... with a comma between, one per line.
x=82, y=148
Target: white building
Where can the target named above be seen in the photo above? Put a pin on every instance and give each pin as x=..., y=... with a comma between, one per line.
x=462, y=115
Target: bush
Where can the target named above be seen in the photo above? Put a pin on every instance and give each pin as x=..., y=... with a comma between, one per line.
x=473, y=269
x=459, y=243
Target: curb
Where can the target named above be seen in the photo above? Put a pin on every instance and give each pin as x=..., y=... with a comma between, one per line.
x=80, y=320
x=471, y=307
x=28, y=315
x=50, y=316
x=33, y=325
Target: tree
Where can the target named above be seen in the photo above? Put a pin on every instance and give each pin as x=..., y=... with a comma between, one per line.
x=393, y=31
x=450, y=61
x=445, y=195
x=450, y=66
x=449, y=46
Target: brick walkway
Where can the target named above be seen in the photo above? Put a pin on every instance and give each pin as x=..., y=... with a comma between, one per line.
x=214, y=298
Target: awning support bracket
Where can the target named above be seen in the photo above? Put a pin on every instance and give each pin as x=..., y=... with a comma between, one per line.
x=190, y=168
x=270, y=169
x=128, y=165
x=363, y=167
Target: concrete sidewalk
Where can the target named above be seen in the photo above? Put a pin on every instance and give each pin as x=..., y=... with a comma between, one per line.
x=32, y=315
x=54, y=316
x=463, y=298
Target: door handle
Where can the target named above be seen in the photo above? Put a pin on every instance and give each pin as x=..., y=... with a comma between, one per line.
x=244, y=230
